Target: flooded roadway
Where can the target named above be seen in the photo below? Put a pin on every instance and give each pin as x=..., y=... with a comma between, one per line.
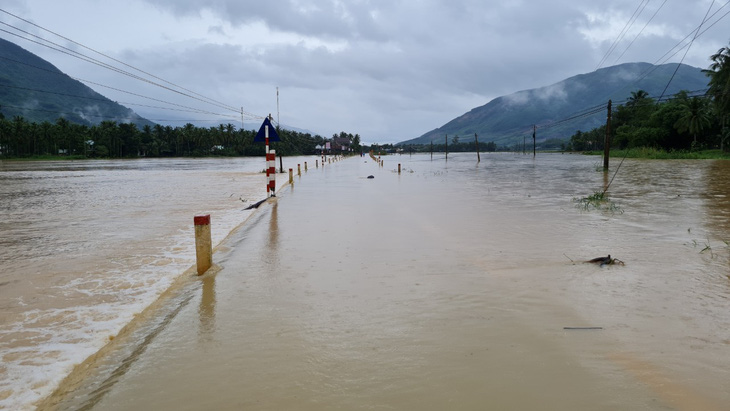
x=86, y=245
x=448, y=286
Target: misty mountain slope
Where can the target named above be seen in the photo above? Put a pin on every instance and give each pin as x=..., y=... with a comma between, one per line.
x=36, y=90
x=507, y=119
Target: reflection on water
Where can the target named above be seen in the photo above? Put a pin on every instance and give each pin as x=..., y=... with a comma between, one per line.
x=207, y=306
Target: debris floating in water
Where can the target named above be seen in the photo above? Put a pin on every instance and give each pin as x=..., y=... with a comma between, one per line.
x=605, y=261
x=256, y=205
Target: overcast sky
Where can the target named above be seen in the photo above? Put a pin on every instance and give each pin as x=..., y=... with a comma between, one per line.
x=389, y=70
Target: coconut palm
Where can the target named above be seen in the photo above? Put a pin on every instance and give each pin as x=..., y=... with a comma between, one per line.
x=695, y=117
x=637, y=97
x=719, y=73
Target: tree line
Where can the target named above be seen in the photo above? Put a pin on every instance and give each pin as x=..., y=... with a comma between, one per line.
x=683, y=122
x=109, y=139
x=456, y=145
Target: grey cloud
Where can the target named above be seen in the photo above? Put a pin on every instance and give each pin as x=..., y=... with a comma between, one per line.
x=404, y=67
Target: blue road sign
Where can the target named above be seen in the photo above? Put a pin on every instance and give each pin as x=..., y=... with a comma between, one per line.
x=261, y=135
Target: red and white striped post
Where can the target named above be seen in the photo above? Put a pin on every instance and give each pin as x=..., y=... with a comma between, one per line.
x=272, y=172
x=203, y=243
x=270, y=167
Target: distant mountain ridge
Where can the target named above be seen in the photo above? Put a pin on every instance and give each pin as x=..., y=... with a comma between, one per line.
x=508, y=119
x=35, y=89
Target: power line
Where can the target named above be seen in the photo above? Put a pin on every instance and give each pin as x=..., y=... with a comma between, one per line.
x=206, y=99
x=83, y=57
x=56, y=72
x=669, y=54
x=103, y=117
x=92, y=60
x=641, y=31
x=687, y=51
x=623, y=32
x=106, y=100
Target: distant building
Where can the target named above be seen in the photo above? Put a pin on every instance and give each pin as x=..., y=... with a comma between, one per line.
x=341, y=144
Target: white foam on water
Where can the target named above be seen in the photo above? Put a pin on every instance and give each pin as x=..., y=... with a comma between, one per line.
x=64, y=337
x=81, y=313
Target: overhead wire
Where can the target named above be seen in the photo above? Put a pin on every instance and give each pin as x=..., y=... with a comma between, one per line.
x=57, y=47
x=623, y=32
x=672, y=52
x=206, y=99
x=687, y=50
x=91, y=60
x=585, y=113
x=510, y=134
x=102, y=98
x=109, y=117
x=182, y=107
x=640, y=31
x=187, y=108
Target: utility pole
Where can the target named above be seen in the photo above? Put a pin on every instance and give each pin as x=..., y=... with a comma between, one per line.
x=534, y=141
x=446, y=139
x=476, y=140
x=278, y=128
x=607, y=140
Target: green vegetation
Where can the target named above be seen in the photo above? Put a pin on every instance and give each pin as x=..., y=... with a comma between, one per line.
x=508, y=119
x=598, y=201
x=456, y=145
x=683, y=127
x=659, y=154
x=34, y=89
x=64, y=139
x=45, y=114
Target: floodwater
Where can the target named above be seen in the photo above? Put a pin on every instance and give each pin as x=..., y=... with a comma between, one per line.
x=449, y=286
x=87, y=245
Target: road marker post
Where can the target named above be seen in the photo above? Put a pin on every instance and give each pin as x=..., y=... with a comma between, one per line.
x=203, y=243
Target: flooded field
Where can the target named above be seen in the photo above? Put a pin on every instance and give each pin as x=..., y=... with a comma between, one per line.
x=454, y=285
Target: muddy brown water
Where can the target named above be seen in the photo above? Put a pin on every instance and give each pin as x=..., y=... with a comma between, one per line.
x=86, y=245
x=449, y=286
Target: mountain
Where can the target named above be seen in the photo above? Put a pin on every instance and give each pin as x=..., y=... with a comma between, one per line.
x=36, y=90
x=563, y=108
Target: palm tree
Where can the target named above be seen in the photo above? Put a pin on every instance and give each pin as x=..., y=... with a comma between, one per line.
x=230, y=129
x=695, y=117
x=63, y=131
x=637, y=97
x=719, y=73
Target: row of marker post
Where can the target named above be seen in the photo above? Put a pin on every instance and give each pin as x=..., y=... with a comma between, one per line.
x=203, y=241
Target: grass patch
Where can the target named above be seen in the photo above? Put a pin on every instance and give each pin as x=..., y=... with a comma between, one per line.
x=657, y=154
x=598, y=201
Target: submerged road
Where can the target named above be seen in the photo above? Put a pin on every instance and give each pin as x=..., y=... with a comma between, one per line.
x=397, y=292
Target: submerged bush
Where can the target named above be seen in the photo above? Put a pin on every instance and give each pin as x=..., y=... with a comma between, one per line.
x=598, y=201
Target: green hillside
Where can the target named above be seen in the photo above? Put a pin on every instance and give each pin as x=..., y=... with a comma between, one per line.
x=507, y=120
x=36, y=90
